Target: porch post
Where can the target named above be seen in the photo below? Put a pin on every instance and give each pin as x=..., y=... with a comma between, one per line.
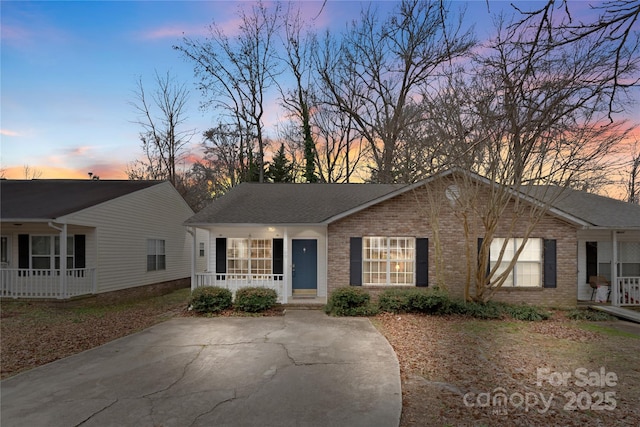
x=285, y=266
x=63, y=261
x=193, y=232
x=614, y=269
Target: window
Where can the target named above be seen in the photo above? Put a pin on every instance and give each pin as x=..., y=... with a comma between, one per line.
x=156, y=259
x=45, y=252
x=4, y=251
x=201, y=249
x=249, y=256
x=527, y=271
x=388, y=260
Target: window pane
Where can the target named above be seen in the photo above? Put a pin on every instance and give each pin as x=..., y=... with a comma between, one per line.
x=532, y=250
x=41, y=262
x=528, y=274
x=40, y=245
x=160, y=262
x=151, y=247
x=151, y=262
x=160, y=247
x=4, y=250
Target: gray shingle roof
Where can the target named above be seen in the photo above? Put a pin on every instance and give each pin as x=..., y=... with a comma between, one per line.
x=254, y=203
x=53, y=198
x=599, y=211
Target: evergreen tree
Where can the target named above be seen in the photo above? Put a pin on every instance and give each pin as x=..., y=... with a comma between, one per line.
x=280, y=169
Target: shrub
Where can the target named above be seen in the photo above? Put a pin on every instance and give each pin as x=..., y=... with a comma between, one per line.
x=210, y=299
x=588, y=314
x=254, y=299
x=394, y=301
x=527, y=312
x=349, y=301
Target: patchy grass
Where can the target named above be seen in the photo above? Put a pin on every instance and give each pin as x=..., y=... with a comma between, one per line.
x=607, y=330
x=442, y=360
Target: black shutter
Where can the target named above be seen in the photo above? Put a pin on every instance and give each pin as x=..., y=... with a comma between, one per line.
x=550, y=273
x=79, y=248
x=278, y=256
x=355, y=261
x=23, y=251
x=488, y=269
x=422, y=262
x=592, y=259
x=221, y=255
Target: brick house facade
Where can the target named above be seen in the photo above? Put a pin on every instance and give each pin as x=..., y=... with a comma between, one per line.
x=306, y=240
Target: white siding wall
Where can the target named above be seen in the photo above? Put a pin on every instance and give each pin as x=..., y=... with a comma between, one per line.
x=123, y=226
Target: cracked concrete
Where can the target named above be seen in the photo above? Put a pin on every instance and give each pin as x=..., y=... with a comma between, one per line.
x=302, y=369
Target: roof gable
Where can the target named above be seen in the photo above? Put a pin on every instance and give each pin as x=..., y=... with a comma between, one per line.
x=51, y=198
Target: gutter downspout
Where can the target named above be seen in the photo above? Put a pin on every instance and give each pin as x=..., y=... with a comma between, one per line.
x=63, y=258
x=614, y=269
x=192, y=231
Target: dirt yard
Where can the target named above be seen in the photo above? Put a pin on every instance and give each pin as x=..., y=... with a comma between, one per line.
x=463, y=372
x=455, y=371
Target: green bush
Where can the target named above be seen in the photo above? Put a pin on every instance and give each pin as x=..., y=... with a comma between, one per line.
x=350, y=301
x=210, y=299
x=437, y=302
x=589, y=314
x=254, y=299
x=529, y=313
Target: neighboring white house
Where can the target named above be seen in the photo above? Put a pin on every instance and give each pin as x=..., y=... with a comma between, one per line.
x=116, y=235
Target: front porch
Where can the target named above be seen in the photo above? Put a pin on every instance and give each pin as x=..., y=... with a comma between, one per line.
x=47, y=283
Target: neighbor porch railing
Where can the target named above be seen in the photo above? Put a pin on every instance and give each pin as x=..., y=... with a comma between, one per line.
x=233, y=282
x=628, y=291
x=35, y=283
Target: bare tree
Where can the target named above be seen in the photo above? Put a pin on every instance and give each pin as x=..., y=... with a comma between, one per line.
x=164, y=141
x=237, y=72
x=31, y=173
x=381, y=67
x=633, y=178
x=299, y=99
x=540, y=125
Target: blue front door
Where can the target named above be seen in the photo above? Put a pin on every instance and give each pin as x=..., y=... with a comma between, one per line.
x=304, y=267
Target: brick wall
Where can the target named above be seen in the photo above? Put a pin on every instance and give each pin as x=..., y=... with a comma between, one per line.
x=409, y=215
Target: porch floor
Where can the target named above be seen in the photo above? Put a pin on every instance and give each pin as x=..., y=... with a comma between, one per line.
x=623, y=313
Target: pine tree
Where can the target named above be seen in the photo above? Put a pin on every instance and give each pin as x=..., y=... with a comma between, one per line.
x=280, y=169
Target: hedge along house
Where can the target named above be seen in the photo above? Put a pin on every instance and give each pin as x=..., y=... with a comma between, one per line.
x=305, y=240
x=113, y=235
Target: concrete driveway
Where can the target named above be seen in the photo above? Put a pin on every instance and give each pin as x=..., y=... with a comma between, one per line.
x=301, y=369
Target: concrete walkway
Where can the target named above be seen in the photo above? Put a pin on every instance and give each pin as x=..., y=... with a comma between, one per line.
x=302, y=369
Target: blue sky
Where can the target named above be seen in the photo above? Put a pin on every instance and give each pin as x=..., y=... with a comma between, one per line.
x=69, y=72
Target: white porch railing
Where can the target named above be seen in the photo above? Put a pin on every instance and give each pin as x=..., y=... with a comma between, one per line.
x=233, y=282
x=628, y=291
x=33, y=283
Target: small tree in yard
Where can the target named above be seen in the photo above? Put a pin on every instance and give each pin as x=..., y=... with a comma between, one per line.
x=541, y=123
x=280, y=169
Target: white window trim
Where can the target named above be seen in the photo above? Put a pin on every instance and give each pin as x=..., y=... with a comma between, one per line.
x=156, y=254
x=388, y=261
x=250, y=259
x=515, y=242
x=52, y=254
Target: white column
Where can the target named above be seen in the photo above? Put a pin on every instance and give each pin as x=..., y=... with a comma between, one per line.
x=285, y=266
x=63, y=261
x=614, y=269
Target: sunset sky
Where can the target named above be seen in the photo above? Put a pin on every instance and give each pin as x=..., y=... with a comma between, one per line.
x=69, y=72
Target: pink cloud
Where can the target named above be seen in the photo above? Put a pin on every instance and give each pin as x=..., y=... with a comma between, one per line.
x=7, y=132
